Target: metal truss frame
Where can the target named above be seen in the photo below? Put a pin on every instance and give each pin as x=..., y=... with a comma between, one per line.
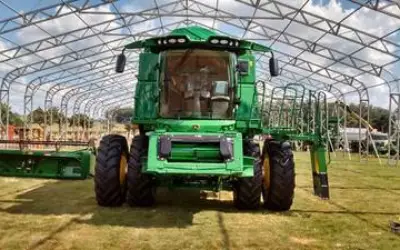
x=80, y=64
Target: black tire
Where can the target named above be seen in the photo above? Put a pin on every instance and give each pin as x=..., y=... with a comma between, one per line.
x=141, y=187
x=279, y=196
x=109, y=188
x=247, y=191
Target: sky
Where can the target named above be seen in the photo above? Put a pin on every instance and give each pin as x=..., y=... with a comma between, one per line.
x=365, y=20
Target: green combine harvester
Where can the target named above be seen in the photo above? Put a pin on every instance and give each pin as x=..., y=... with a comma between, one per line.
x=199, y=109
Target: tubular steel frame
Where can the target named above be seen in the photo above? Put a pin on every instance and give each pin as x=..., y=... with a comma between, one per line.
x=82, y=70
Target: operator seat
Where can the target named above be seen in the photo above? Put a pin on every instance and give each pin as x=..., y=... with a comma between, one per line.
x=220, y=100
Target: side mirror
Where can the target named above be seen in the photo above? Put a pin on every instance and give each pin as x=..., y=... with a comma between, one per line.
x=243, y=67
x=121, y=60
x=273, y=67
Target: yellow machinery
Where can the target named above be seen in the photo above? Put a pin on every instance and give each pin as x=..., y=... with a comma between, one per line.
x=366, y=124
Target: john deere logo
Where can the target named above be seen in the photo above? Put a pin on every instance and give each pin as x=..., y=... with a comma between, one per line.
x=196, y=127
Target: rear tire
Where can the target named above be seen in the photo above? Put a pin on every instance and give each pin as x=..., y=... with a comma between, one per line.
x=279, y=195
x=247, y=191
x=141, y=186
x=109, y=179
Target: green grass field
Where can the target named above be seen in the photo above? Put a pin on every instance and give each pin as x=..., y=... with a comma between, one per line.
x=49, y=214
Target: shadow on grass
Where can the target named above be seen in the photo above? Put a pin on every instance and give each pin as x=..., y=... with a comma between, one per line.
x=359, y=216
x=371, y=175
x=343, y=210
x=361, y=188
x=224, y=232
x=173, y=209
x=52, y=234
x=364, y=216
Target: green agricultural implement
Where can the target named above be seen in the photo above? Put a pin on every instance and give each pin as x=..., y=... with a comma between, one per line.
x=199, y=110
x=47, y=159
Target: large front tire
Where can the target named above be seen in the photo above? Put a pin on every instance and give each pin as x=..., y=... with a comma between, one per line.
x=141, y=186
x=279, y=176
x=110, y=171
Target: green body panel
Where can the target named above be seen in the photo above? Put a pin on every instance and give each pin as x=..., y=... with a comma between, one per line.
x=191, y=159
x=248, y=114
x=146, y=94
x=247, y=91
x=319, y=171
x=194, y=33
x=47, y=164
x=198, y=126
x=197, y=153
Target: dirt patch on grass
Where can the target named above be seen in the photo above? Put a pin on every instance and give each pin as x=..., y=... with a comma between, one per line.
x=302, y=241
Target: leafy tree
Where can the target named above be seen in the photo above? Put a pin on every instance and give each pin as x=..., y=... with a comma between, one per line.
x=56, y=115
x=121, y=115
x=81, y=120
x=38, y=115
x=14, y=118
x=378, y=117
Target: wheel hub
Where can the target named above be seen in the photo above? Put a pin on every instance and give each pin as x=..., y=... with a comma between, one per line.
x=266, y=173
x=123, y=169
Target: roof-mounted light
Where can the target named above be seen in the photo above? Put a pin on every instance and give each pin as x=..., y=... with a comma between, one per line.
x=224, y=41
x=214, y=41
x=170, y=41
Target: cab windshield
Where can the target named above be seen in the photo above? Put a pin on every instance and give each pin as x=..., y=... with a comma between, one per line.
x=196, y=84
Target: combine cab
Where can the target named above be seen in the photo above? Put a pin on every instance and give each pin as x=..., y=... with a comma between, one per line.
x=199, y=107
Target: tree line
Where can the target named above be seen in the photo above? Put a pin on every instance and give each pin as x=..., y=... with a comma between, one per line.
x=379, y=117
x=53, y=115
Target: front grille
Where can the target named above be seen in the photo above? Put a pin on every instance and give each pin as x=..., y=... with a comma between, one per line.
x=195, y=148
